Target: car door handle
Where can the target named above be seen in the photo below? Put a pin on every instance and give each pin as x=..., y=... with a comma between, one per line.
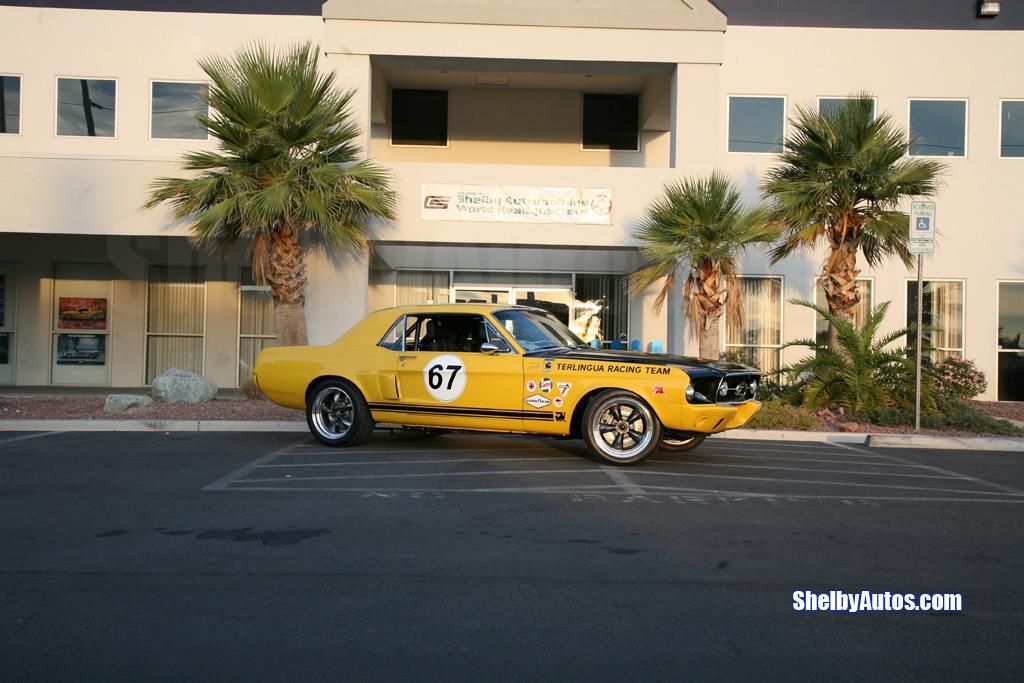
x=405, y=358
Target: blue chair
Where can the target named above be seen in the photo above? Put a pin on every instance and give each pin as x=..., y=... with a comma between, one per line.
x=618, y=345
x=596, y=343
x=635, y=345
x=656, y=347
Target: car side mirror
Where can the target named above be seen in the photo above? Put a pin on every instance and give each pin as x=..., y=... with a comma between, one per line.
x=490, y=349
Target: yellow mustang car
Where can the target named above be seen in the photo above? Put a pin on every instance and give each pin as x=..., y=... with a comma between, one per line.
x=504, y=369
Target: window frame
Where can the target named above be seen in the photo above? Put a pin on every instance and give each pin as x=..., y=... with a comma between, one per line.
x=21, y=103
x=153, y=82
x=448, y=119
x=999, y=350
x=241, y=288
x=817, y=279
x=639, y=128
x=967, y=127
x=56, y=107
x=147, y=334
x=874, y=100
x=963, y=307
x=9, y=325
x=723, y=330
x=999, y=137
x=785, y=121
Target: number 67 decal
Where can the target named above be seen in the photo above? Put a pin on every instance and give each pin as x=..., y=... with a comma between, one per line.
x=445, y=377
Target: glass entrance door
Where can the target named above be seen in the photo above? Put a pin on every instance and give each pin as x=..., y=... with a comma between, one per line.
x=558, y=302
x=482, y=296
x=1011, y=342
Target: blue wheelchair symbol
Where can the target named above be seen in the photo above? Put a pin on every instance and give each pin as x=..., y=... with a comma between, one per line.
x=924, y=224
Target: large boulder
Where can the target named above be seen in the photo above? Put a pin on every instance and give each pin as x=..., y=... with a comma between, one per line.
x=118, y=403
x=182, y=386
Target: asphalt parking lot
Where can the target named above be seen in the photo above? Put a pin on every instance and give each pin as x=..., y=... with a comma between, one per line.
x=264, y=556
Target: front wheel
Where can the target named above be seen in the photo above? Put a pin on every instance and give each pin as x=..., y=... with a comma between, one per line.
x=337, y=414
x=681, y=442
x=620, y=429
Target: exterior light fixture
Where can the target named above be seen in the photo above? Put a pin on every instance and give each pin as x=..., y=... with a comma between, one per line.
x=988, y=9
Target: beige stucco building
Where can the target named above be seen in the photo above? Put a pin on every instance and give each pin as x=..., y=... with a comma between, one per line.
x=584, y=103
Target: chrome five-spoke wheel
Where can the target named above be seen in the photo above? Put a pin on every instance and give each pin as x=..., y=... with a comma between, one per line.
x=620, y=428
x=682, y=441
x=337, y=414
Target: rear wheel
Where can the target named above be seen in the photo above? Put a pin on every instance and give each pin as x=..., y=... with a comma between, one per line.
x=681, y=442
x=337, y=414
x=620, y=429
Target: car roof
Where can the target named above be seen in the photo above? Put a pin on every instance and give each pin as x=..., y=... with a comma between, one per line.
x=458, y=308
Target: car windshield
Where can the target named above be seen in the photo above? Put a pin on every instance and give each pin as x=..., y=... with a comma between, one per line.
x=536, y=331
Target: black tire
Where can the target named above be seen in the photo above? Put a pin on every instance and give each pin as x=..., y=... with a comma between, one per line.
x=337, y=414
x=619, y=428
x=681, y=442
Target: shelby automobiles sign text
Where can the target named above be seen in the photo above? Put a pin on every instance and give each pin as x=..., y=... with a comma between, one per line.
x=516, y=204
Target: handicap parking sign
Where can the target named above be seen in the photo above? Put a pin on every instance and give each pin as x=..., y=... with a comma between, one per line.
x=922, y=220
x=924, y=224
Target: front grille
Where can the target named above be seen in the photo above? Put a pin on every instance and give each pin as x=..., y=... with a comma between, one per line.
x=736, y=388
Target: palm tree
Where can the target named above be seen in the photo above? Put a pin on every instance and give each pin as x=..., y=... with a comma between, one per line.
x=843, y=176
x=860, y=371
x=699, y=224
x=286, y=176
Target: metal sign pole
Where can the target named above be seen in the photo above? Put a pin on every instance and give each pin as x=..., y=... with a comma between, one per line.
x=917, y=348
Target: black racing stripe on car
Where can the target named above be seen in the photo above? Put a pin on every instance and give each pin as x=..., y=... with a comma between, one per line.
x=461, y=412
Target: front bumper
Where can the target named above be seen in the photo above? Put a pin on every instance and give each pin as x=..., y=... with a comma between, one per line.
x=714, y=418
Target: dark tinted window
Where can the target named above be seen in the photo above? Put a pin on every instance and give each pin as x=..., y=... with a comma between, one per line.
x=756, y=124
x=1011, y=143
x=611, y=122
x=85, y=106
x=10, y=104
x=175, y=107
x=441, y=332
x=419, y=117
x=938, y=128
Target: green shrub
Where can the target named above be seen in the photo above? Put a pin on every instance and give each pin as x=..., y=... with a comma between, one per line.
x=780, y=415
x=952, y=414
x=861, y=373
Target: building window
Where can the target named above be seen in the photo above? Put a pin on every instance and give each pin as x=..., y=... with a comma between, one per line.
x=1011, y=342
x=10, y=105
x=832, y=104
x=942, y=318
x=419, y=117
x=601, y=308
x=8, y=300
x=255, y=323
x=81, y=323
x=422, y=287
x=173, y=110
x=756, y=124
x=611, y=122
x=1011, y=128
x=866, y=291
x=175, y=320
x=86, y=107
x=938, y=128
x=759, y=339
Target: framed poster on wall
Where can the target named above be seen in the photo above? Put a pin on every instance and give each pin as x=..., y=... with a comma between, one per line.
x=79, y=313
x=5, y=354
x=81, y=349
x=3, y=294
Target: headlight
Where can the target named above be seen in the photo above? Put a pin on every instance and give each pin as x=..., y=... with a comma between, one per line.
x=753, y=388
x=689, y=391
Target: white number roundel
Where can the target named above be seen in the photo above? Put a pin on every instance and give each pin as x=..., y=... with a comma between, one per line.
x=445, y=377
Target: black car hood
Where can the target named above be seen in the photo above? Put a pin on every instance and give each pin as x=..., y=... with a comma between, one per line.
x=685, y=363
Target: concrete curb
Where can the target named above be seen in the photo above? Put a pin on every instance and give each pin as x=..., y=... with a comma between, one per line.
x=783, y=435
x=973, y=443
x=149, y=426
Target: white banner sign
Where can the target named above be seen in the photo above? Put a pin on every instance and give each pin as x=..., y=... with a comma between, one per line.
x=511, y=204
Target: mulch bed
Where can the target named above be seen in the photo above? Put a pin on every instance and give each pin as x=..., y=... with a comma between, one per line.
x=1009, y=410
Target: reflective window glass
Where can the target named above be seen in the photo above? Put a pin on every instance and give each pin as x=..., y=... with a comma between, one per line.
x=938, y=128
x=10, y=104
x=756, y=124
x=1011, y=143
x=85, y=106
x=174, y=110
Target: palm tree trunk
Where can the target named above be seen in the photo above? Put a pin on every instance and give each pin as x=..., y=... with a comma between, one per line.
x=286, y=274
x=839, y=276
x=709, y=344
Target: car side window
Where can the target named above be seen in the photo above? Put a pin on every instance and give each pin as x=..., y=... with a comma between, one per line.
x=393, y=339
x=451, y=332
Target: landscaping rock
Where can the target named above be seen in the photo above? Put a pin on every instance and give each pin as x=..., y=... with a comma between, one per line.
x=181, y=386
x=118, y=403
x=850, y=427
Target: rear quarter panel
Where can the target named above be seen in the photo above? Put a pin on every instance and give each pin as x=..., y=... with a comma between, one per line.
x=285, y=374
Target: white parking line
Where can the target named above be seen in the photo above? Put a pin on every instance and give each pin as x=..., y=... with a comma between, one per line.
x=403, y=451
x=817, y=482
x=418, y=475
x=719, y=456
x=242, y=471
x=418, y=461
x=28, y=436
x=810, y=469
x=957, y=475
x=622, y=480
